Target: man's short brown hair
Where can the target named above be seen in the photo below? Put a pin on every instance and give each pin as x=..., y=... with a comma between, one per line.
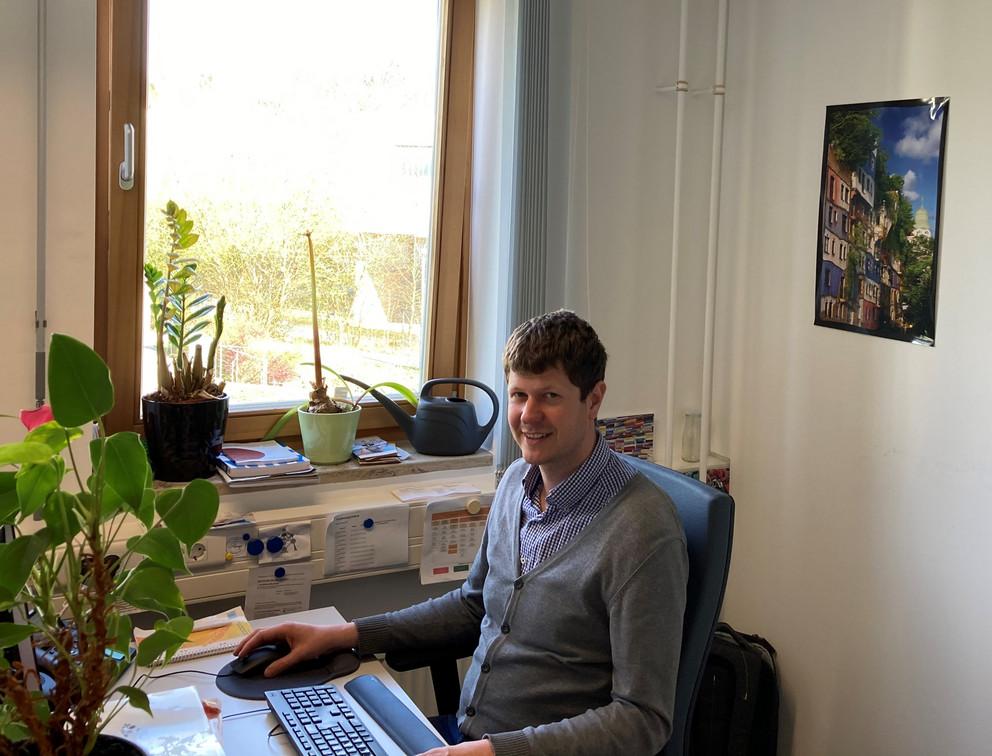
x=557, y=339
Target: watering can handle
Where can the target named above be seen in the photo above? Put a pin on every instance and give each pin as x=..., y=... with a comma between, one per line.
x=426, y=392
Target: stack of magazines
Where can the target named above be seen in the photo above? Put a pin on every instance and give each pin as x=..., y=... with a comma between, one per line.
x=263, y=463
x=373, y=450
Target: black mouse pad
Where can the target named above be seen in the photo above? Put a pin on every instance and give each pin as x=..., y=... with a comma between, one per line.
x=311, y=672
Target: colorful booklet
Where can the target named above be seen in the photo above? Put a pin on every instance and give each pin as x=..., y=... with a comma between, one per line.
x=216, y=634
x=373, y=450
x=244, y=460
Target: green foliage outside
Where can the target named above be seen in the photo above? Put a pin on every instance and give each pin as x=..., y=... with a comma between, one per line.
x=259, y=266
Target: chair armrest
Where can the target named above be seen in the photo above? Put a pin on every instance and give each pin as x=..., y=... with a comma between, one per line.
x=415, y=658
x=443, y=663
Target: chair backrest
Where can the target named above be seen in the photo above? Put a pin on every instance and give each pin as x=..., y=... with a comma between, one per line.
x=708, y=521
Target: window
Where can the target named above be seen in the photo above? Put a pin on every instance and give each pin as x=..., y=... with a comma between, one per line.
x=353, y=124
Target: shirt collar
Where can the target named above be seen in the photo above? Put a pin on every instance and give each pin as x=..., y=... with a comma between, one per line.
x=574, y=488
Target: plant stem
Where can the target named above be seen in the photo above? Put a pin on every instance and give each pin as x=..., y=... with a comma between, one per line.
x=318, y=378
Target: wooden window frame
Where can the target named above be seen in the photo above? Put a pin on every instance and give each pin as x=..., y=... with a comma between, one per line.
x=121, y=56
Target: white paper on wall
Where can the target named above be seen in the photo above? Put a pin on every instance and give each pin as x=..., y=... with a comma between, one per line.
x=278, y=589
x=367, y=539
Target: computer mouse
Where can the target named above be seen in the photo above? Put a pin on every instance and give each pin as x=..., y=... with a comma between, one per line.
x=254, y=663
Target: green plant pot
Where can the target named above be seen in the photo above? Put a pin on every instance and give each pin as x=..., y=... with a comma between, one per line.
x=328, y=438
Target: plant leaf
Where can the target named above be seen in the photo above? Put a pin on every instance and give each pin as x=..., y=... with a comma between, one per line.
x=119, y=631
x=161, y=546
x=151, y=586
x=9, y=506
x=399, y=388
x=79, y=387
x=24, y=452
x=16, y=560
x=12, y=634
x=53, y=435
x=126, y=467
x=146, y=512
x=191, y=515
x=278, y=425
x=61, y=515
x=135, y=696
x=167, y=639
x=34, y=484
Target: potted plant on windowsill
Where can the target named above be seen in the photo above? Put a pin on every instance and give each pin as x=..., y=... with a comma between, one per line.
x=185, y=417
x=62, y=570
x=328, y=425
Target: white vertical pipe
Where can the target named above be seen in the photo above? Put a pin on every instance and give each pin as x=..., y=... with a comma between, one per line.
x=719, y=90
x=40, y=317
x=681, y=90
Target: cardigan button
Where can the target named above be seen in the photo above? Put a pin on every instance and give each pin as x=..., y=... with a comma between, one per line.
x=518, y=584
x=470, y=711
x=505, y=629
x=486, y=667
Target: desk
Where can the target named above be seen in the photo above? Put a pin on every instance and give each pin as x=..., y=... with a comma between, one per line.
x=248, y=734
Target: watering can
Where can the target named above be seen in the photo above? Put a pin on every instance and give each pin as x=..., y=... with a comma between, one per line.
x=444, y=426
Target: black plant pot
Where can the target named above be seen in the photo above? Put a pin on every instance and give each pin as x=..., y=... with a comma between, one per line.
x=106, y=745
x=184, y=438
x=111, y=745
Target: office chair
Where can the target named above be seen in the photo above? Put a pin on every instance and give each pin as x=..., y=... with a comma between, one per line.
x=708, y=521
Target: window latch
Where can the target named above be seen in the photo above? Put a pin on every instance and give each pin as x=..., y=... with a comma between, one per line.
x=125, y=176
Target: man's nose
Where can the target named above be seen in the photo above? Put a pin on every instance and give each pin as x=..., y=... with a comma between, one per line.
x=531, y=412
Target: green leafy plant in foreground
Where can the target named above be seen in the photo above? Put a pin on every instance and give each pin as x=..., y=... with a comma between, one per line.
x=180, y=312
x=62, y=570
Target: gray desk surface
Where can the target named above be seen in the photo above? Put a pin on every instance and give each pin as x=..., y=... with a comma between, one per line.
x=248, y=734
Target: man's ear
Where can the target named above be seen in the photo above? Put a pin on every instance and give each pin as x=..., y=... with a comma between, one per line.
x=594, y=399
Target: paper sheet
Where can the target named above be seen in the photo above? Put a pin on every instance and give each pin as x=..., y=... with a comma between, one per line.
x=406, y=494
x=295, y=539
x=278, y=589
x=367, y=539
x=178, y=728
x=452, y=535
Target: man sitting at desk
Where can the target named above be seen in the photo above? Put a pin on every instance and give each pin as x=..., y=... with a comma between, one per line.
x=578, y=588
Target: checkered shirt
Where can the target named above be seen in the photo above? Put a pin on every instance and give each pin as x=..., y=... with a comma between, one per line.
x=572, y=504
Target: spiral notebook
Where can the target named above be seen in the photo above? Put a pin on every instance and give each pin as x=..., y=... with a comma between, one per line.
x=216, y=634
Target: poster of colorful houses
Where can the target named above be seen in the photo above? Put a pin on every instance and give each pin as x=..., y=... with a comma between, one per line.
x=877, y=245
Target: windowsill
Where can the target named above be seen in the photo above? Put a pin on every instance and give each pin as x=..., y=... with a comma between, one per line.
x=351, y=472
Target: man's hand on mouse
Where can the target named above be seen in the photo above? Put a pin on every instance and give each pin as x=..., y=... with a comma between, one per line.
x=304, y=641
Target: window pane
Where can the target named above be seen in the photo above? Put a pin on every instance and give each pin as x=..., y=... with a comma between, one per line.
x=268, y=120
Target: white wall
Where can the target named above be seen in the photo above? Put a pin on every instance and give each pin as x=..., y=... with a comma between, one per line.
x=860, y=467
x=860, y=463
x=69, y=223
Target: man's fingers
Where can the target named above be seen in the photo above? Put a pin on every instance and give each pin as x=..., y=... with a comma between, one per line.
x=281, y=665
x=257, y=638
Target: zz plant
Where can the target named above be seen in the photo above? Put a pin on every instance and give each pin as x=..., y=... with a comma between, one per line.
x=64, y=569
x=180, y=312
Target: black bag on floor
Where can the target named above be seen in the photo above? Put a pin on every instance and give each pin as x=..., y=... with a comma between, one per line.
x=736, y=710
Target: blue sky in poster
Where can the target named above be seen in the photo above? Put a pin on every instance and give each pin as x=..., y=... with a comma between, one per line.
x=912, y=142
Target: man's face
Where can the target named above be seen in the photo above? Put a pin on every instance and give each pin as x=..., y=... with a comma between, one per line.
x=553, y=427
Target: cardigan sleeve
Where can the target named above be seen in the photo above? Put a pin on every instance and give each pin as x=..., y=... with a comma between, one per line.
x=451, y=619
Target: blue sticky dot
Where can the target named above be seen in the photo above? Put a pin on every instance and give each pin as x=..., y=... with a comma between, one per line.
x=280, y=572
x=245, y=537
x=255, y=547
x=274, y=544
x=368, y=523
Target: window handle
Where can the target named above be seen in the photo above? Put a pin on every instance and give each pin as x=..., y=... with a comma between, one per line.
x=125, y=176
